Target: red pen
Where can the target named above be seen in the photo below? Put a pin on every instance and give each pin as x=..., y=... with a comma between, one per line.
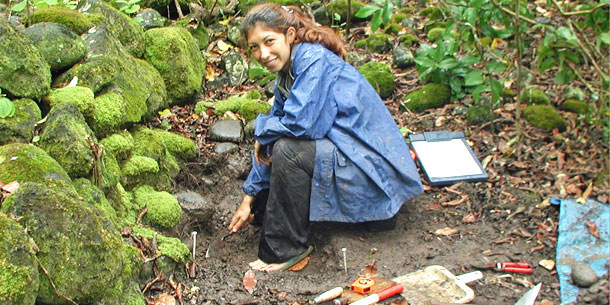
x=515, y=267
x=381, y=295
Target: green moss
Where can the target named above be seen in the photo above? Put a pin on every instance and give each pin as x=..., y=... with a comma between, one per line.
x=169, y=246
x=137, y=165
x=407, y=10
x=121, y=202
x=392, y=29
x=20, y=126
x=435, y=34
x=544, y=117
x=398, y=17
x=59, y=46
x=173, y=52
x=127, y=290
x=94, y=197
x=432, y=12
x=77, y=22
x=486, y=41
x=380, y=76
x=339, y=7
x=18, y=268
x=477, y=115
x=119, y=144
x=175, y=144
x=28, y=163
x=108, y=114
x=534, y=96
x=200, y=33
x=79, y=248
x=378, y=43
x=203, y=106
x=429, y=96
x=163, y=209
x=23, y=70
x=508, y=94
x=97, y=73
x=82, y=97
x=248, y=105
x=576, y=106
x=408, y=39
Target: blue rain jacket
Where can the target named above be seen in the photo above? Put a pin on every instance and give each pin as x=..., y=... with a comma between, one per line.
x=363, y=170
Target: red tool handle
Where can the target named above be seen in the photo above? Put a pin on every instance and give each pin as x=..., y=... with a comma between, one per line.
x=518, y=270
x=390, y=291
x=518, y=265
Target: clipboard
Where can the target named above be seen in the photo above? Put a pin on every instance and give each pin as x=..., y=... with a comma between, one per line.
x=445, y=158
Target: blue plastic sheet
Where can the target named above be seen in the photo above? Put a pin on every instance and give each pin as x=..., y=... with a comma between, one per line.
x=576, y=244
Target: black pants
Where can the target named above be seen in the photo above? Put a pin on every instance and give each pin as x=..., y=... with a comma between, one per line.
x=284, y=208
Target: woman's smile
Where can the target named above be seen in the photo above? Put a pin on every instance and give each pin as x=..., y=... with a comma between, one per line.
x=271, y=48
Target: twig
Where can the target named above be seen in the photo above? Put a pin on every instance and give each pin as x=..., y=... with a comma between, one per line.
x=53, y=284
x=599, y=70
x=579, y=12
x=349, y=18
x=179, y=9
x=513, y=13
x=518, y=84
x=159, y=277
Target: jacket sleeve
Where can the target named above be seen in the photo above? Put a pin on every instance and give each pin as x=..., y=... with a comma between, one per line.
x=258, y=179
x=309, y=111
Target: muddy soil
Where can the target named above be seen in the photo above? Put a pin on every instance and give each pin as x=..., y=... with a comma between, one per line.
x=489, y=230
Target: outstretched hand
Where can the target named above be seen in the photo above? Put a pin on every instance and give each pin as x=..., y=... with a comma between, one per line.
x=242, y=217
x=260, y=153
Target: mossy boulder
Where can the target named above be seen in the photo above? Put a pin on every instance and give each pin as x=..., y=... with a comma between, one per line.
x=96, y=73
x=20, y=126
x=534, y=96
x=544, y=117
x=108, y=114
x=18, y=267
x=201, y=35
x=477, y=115
x=398, y=17
x=402, y=57
x=27, y=163
x=138, y=170
x=129, y=33
x=378, y=43
x=163, y=210
x=150, y=18
x=429, y=96
x=82, y=97
x=174, y=53
x=407, y=40
x=248, y=105
x=392, y=29
x=339, y=7
x=169, y=246
x=77, y=22
x=435, y=34
x=66, y=137
x=432, y=12
x=95, y=197
x=380, y=76
x=81, y=250
x=127, y=291
x=59, y=46
x=23, y=70
x=122, y=202
x=119, y=144
x=575, y=106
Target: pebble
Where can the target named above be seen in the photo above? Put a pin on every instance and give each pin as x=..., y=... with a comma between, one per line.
x=583, y=275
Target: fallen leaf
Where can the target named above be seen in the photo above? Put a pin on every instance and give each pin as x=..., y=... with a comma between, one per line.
x=249, y=281
x=456, y=202
x=433, y=206
x=210, y=74
x=300, y=265
x=470, y=218
x=583, y=199
x=545, y=302
x=592, y=228
x=164, y=299
x=447, y=231
x=223, y=46
x=370, y=270
x=11, y=187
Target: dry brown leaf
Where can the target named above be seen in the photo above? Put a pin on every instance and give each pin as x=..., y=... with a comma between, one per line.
x=164, y=299
x=11, y=187
x=249, y=281
x=446, y=231
x=300, y=265
x=592, y=228
x=370, y=270
x=470, y=218
x=433, y=206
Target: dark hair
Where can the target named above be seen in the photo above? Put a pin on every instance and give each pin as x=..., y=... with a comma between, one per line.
x=280, y=18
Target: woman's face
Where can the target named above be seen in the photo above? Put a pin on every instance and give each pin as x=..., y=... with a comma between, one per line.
x=270, y=48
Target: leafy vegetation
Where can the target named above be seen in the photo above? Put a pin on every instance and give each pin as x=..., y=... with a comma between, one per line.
x=7, y=108
x=381, y=12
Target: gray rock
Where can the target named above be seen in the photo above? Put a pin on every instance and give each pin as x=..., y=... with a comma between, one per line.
x=402, y=57
x=583, y=275
x=218, y=83
x=197, y=211
x=150, y=18
x=408, y=23
x=575, y=93
x=225, y=148
x=227, y=131
x=321, y=15
x=357, y=59
x=249, y=129
x=234, y=35
x=59, y=46
x=216, y=30
x=237, y=68
x=23, y=70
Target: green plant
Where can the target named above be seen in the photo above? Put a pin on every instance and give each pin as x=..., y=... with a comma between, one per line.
x=129, y=6
x=21, y=5
x=7, y=108
x=556, y=49
x=381, y=10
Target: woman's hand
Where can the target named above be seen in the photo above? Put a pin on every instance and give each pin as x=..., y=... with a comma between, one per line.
x=260, y=153
x=242, y=217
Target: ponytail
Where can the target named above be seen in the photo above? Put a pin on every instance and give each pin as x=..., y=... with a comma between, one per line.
x=280, y=18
